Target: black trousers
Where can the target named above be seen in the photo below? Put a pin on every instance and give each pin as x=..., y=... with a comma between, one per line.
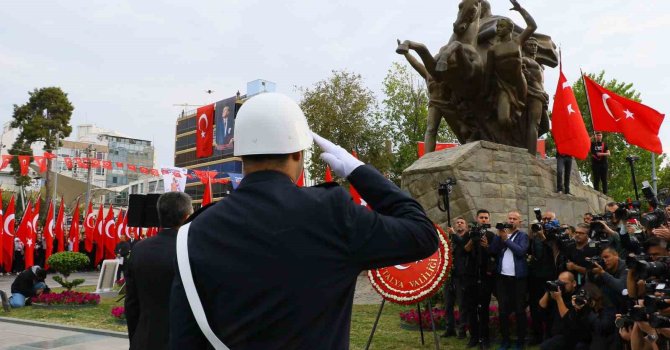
x=563, y=169
x=599, y=176
x=540, y=325
x=477, y=301
x=512, y=299
x=453, y=295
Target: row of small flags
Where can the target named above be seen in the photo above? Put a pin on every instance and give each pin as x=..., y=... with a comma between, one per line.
x=103, y=230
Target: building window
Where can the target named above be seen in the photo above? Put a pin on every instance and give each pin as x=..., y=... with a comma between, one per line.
x=114, y=179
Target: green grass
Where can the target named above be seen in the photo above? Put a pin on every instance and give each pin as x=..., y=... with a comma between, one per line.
x=388, y=336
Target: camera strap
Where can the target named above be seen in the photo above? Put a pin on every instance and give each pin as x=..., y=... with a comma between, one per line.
x=184, y=266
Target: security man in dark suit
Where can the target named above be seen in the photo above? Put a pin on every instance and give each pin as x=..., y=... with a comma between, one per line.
x=275, y=265
x=149, y=276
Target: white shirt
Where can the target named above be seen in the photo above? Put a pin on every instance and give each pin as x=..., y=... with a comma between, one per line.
x=508, y=261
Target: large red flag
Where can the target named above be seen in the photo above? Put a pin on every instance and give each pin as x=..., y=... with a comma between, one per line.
x=49, y=235
x=8, y=236
x=119, y=226
x=24, y=233
x=6, y=158
x=204, y=134
x=638, y=123
x=567, y=124
x=24, y=162
x=41, y=162
x=110, y=233
x=89, y=228
x=74, y=229
x=59, y=229
x=36, y=217
x=99, y=237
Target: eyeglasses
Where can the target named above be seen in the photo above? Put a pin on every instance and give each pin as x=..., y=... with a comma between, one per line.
x=546, y=219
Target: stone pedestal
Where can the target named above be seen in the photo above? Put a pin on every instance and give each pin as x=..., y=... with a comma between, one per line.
x=498, y=178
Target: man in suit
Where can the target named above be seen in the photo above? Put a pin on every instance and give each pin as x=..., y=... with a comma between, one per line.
x=149, y=276
x=275, y=265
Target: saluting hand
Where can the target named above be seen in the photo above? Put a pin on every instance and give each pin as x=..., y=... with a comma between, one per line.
x=341, y=161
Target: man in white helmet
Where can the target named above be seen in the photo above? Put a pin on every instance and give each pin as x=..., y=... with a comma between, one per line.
x=275, y=265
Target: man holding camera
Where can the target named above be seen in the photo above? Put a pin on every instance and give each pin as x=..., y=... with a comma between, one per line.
x=511, y=246
x=479, y=271
x=568, y=329
x=609, y=275
x=599, y=154
x=454, y=288
x=583, y=250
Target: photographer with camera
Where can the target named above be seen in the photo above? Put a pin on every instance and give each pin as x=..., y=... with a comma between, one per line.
x=569, y=328
x=609, y=274
x=583, y=249
x=545, y=261
x=479, y=272
x=454, y=288
x=511, y=246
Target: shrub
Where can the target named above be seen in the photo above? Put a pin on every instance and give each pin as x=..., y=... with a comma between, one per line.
x=65, y=263
x=119, y=312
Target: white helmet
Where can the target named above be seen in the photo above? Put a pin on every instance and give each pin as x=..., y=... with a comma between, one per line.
x=270, y=123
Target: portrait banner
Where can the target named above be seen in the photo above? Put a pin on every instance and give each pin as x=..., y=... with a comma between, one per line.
x=174, y=179
x=224, y=122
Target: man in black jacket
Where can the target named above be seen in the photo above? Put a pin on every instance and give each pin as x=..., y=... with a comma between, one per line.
x=28, y=284
x=150, y=271
x=275, y=265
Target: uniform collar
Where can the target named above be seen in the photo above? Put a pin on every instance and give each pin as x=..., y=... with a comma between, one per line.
x=264, y=176
x=169, y=232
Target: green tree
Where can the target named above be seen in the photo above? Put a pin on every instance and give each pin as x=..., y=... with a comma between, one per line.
x=620, y=180
x=341, y=109
x=44, y=118
x=405, y=111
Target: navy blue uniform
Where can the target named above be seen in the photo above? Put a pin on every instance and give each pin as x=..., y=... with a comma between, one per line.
x=275, y=265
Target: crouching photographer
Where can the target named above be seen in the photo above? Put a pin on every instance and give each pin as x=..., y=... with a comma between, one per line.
x=569, y=312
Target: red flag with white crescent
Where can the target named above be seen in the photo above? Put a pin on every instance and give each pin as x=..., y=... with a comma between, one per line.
x=205, y=131
x=24, y=233
x=59, y=229
x=89, y=228
x=109, y=232
x=74, y=229
x=24, y=162
x=49, y=234
x=6, y=159
x=99, y=237
x=8, y=222
x=68, y=162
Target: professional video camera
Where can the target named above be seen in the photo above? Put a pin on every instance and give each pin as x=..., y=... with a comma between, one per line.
x=644, y=267
x=597, y=225
x=555, y=286
x=654, y=219
x=592, y=261
x=502, y=226
x=581, y=297
x=477, y=231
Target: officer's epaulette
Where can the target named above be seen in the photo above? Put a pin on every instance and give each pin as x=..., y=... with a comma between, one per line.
x=198, y=212
x=327, y=184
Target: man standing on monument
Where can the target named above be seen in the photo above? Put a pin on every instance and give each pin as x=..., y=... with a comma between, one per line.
x=511, y=245
x=274, y=265
x=599, y=154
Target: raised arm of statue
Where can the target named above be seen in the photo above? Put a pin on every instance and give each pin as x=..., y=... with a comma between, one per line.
x=531, y=26
x=420, y=68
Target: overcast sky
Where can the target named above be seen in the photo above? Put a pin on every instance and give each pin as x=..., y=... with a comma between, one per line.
x=125, y=63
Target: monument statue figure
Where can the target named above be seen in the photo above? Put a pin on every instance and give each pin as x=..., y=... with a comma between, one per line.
x=537, y=100
x=476, y=81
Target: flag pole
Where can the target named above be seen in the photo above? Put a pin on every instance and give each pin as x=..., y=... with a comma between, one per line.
x=653, y=173
x=588, y=102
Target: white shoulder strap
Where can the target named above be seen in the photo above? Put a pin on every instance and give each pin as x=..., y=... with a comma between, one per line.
x=189, y=286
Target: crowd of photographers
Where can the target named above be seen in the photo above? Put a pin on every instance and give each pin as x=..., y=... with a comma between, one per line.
x=603, y=283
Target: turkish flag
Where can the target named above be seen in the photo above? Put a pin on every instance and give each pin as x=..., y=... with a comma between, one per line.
x=49, y=235
x=74, y=229
x=59, y=229
x=41, y=162
x=36, y=217
x=95, y=163
x=165, y=171
x=68, y=162
x=638, y=123
x=119, y=165
x=204, y=133
x=99, y=237
x=144, y=170
x=80, y=162
x=107, y=164
x=567, y=124
x=207, y=196
x=421, y=147
x=176, y=174
x=110, y=234
x=8, y=236
x=329, y=176
x=155, y=172
x=132, y=167
x=24, y=233
x=24, y=162
x=6, y=158
x=89, y=228
x=49, y=155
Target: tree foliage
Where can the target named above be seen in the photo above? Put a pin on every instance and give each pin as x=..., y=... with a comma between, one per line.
x=44, y=118
x=619, y=179
x=341, y=109
x=406, y=111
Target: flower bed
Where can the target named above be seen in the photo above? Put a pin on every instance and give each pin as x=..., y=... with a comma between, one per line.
x=119, y=313
x=67, y=298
